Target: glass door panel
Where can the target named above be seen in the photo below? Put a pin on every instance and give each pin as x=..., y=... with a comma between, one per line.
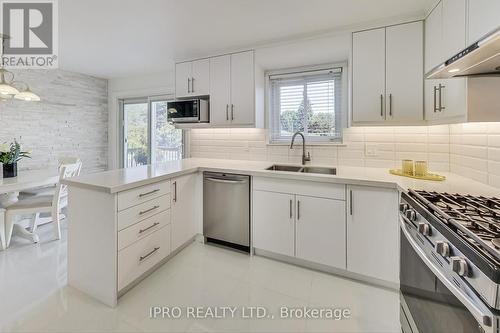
x=167, y=141
x=136, y=133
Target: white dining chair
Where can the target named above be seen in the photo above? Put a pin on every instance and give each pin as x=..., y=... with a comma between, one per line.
x=38, y=204
x=49, y=190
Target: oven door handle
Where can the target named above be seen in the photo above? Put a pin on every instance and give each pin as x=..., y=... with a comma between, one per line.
x=480, y=312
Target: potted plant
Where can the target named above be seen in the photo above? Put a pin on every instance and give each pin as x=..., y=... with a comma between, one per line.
x=10, y=154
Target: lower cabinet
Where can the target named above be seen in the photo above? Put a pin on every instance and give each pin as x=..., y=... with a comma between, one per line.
x=304, y=227
x=273, y=224
x=373, y=232
x=183, y=193
x=320, y=230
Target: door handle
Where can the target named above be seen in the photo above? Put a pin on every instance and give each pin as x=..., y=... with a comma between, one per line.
x=298, y=210
x=147, y=255
x=192, y=84
x=390, y=105
x=150, y=227
x=148, y=193
x=291, y=209
x=189, y=84
x=435, y=95
x=382, y=105
x=149, y=210
x=350, y=202
x=227, y=112
x=175, y=192
x=441, y=107
x=227, y=181
x=232, y=111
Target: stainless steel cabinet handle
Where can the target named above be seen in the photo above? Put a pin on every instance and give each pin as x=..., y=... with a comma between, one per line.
x=381, y=105
x=390, y=105
x=148, y=193
x=291, y=209
x=441, y=107
x=189, y=85
x=350, y=202
x=192, y=84
x=227, y=111
x=298, y=210
x=147, y=255
x=151, y=226
x=435, y=95
x=175, y=192
x=232, y=111
x=149, y=210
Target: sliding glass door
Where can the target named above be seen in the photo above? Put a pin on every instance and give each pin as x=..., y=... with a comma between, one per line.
x=146, y=135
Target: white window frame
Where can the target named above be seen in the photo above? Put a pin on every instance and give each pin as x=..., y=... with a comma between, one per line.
x=273, y=118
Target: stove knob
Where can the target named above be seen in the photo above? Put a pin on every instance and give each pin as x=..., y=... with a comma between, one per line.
x=403, y=207
x=443, y=249
x=424, y=229
x=459, y=266
x=411, y=215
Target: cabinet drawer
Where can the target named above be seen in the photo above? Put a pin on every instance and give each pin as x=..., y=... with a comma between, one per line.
x=142, y=229
x=141, y=194
x=314, y=189
x=138, y=258
x=141, y=212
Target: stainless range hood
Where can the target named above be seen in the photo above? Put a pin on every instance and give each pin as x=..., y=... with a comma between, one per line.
x=480, y=59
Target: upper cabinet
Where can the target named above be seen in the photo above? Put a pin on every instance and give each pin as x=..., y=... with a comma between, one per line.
x=232, y=89
x=445, y=32
x=484, y=17
x=387, y=75
x=233, y=83
x=192, y=78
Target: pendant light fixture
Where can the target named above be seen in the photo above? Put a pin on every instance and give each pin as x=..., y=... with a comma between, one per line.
x=9, y=87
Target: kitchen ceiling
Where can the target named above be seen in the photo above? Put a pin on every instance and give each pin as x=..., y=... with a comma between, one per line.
x=120, y=38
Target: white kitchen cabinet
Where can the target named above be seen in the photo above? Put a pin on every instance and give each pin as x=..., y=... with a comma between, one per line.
x=404, y=79
x=242, y=88
x=373, y=232
x=302, y=220
x=484, y=17
x=184, y=225
x=232, y=89
x=368, y=72
x=445, y=32
x=183, y=79
x=433, y=38
x=387, y=75
x=320, y=231
x=273, y=222
x=220, y=90
x=192, y=78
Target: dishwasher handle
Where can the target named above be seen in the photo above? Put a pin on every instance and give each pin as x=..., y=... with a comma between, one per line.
x=227, y=181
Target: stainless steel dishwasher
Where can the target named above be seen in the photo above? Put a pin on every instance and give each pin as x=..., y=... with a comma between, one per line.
x=226, y=209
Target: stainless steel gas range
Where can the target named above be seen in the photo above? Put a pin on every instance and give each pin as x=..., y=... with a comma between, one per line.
x=450, y=263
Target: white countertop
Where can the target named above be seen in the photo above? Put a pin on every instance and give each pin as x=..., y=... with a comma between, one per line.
x=123, y=179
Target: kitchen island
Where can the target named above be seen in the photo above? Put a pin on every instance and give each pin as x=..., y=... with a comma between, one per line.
x=126, y=223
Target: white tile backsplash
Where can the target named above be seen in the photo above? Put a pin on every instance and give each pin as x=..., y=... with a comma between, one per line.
x=471, y=150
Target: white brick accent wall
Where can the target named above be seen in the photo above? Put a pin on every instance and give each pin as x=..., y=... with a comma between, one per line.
x=71, y=119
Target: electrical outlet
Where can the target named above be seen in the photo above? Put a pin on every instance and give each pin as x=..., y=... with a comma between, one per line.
x=371, y=150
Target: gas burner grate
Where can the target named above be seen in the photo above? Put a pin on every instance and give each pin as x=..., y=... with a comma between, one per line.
x=475, y=219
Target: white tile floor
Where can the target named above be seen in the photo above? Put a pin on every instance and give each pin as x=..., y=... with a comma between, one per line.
x=33, y=296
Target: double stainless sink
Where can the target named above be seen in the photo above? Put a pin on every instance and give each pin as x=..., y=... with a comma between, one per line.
x=303, y=169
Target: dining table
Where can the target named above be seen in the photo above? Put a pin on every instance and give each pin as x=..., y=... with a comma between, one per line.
x=25, y=180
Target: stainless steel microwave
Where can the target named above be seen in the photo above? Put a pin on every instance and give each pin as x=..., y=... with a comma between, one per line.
x=188, y=111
